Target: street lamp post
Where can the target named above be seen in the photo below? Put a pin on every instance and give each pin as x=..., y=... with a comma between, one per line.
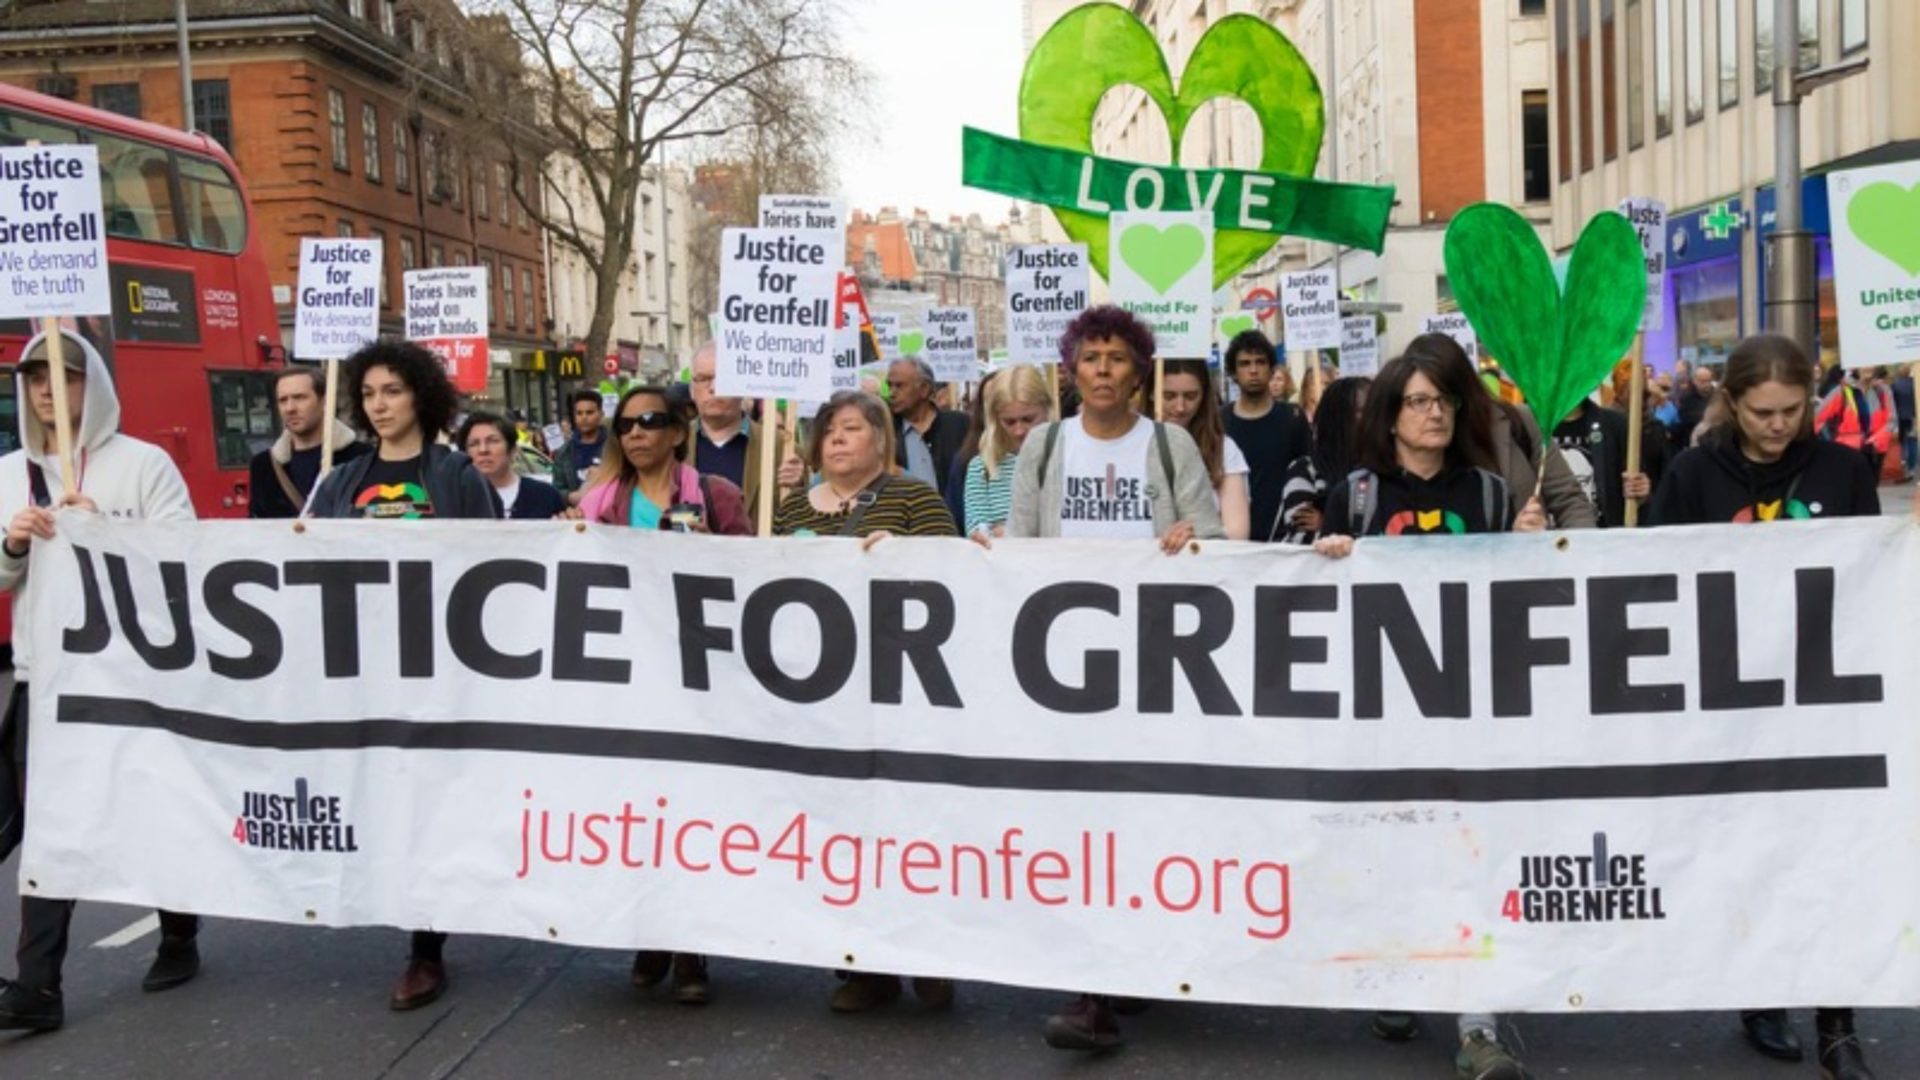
x=186, y=65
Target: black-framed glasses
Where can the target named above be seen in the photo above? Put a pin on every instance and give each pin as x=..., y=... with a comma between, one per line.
x=646, y=421
x=1426, y=403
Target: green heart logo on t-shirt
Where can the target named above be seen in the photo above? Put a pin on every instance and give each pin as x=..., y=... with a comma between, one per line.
x=1162, y=256
x=912, y=341
x=1886, y=218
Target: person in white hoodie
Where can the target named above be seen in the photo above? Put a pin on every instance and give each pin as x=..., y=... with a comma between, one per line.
x=121, y=477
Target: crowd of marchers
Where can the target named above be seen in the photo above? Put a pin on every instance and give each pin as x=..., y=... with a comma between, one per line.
x=1119, y=448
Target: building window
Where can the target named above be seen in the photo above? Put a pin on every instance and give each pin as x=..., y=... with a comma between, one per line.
x=436, y=256
x=506, y=194
x=337, y=122
x=431, y=164
x=344, y=230
x=480, y=190
x=122, y=98
x=1853, y=26
x=1762, y=46
x=1662, y=68
x=370, y=139
x=506, y=296
x=493, y=310
x=387, y=19
x=459, y=257
x=402, y=163
x=1609, y=82
x=1533, y=7
x=386, y=292
x=1563, y=111
x=1729, y=53
x=1636, y=75
x=1695, y=42
x=1809, y=55
x=409, y=253
x=357, y=8
x=526, y=297
x=455, y=182
x=1534, y=142
x=213, y=111
x=1583, y=58
x=417, y=33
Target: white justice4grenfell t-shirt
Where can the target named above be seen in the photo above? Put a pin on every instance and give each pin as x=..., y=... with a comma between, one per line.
x=1104, y=484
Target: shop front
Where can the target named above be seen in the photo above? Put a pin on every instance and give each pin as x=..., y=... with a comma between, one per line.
x=1703, y=320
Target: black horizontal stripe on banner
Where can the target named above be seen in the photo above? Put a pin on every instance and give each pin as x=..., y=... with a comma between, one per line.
x=1555, y=783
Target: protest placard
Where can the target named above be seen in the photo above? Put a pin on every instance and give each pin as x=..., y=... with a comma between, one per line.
x=53, y=240
x=1163, y=272
x=803, y=212
x=886, y=334
x=777, y=304
x=1359, y=346
x=1047, y=286
x=1310, y=310
x=952, y=348
x=1454, y=324
x=446, y=311
x=1649, y=218
x=337, y=309
x=1876, y=262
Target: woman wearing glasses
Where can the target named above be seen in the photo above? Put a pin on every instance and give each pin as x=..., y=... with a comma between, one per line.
x=649, y=485
x=489, y=441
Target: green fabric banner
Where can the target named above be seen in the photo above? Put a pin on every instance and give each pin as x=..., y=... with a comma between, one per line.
x=1351, y=214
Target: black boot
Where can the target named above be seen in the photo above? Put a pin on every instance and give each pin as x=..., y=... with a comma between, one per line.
x=177, y=962
x=1840, y=1057
x=23, y=1008
x=1771, y=1033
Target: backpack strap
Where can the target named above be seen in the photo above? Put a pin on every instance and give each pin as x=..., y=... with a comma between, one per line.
x=1493, y=500
x=1360, y=501
x=1166, y=463
x=862, y=503
x=286, y=483
x=37, y=483
x=1046, y=447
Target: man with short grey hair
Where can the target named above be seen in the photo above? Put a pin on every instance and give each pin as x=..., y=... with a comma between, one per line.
x=929, y=436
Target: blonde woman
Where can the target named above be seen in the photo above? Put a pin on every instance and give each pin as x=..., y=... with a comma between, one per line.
x=1017, y=401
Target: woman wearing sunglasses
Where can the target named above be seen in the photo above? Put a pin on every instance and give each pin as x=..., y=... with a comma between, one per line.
x=649, y=485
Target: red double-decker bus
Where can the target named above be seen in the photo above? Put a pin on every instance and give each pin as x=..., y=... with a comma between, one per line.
x=193, y=340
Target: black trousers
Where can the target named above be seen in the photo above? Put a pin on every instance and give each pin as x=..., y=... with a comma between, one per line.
x=44, y=923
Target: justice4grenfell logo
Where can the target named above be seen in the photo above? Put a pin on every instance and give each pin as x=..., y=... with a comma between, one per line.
x=1589, y=887
x=1422, y=522
x=296, y=820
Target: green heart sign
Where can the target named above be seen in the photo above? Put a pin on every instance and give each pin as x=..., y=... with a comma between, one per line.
x=912, y=341
x=1556, y=346
x=1099, y=46
x=1162, y=256
x=1235, y=324
x=1884, y=217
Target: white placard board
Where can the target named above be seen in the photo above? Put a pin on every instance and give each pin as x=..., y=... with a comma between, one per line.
x=1047, y=287
x=1876, y=262
x=53, y=240
x=337, y=307
x=1161, y=265
x=1310, y=310
x=777, y=289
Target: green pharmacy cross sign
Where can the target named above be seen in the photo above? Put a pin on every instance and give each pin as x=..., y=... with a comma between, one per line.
x=1720, y=222
x=1099, y=46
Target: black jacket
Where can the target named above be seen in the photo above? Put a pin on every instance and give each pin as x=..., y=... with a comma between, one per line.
x=1459, y=499
x=1714, y=482
x=1600, y=437
x=267, y=499
x=455, y=486
x=944, y=438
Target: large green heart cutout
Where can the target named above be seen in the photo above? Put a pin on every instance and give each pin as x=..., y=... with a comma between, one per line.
x=1556, y=346
x=1099, y=46
x=1886, y=218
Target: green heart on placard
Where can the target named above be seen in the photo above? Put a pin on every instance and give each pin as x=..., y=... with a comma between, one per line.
x=1099, y=46
x=1886, y=218
x=1162, y=256
x=912, y=341
x=1556, y=346
x=1234, y=325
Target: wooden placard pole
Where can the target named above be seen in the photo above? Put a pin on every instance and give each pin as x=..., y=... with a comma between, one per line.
x=791, y=440
x=1159, y=389
x=62, y=417
x=769, y=471
x=331, y=410
x=1636, y=421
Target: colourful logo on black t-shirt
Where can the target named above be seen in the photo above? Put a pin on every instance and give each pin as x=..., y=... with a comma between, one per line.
x=1423, y=522
x=405, y=501
x=1790, y=509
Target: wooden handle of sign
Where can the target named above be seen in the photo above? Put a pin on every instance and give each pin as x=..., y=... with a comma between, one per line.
x=332, y=410
x=769, y=472
x=1636, y=422
x=1159, y=389
x=791, y=443
x=62, y=417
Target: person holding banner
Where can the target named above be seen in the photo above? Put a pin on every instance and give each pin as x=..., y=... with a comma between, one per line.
x=116, y=475
x=1336, y=433
x=649, y=485
x=488, y=442
x=1015, y=401
x=1187, y=399
x=402, y=397
x=1425, y=467
x=1764, y=463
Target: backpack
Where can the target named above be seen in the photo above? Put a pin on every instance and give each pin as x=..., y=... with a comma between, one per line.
x=1363, y=501
x=1159, y=438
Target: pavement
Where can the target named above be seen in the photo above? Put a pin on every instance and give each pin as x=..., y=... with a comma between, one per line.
x=292, y=1001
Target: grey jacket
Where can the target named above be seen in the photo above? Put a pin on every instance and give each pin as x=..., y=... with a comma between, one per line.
x=1560, y=496
x=1036, y=499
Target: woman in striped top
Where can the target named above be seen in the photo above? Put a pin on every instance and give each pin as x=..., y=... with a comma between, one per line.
x=852, y=450
x=1336, y=423
x=1017, y=400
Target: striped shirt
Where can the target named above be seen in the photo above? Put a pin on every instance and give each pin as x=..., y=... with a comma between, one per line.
x=905, y=507
x=989, y=502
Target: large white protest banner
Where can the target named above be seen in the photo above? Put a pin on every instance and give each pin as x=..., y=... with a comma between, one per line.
x=337, y=309
x=1876, y=262
x=1161, y=269
x=53, y=239
x=1610, y=774
x=952, y=345
x=1310, y=310
x=1047, y=287
x=1649, y=219
x=1359, y=346
x=777, y=289
x=447, y=313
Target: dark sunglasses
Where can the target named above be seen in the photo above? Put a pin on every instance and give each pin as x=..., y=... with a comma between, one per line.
x=646, y=421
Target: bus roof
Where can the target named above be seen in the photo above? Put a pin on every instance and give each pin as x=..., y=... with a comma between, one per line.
x=86, y=116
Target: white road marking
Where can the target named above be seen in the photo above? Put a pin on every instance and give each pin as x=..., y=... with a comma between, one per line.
x=130, y=933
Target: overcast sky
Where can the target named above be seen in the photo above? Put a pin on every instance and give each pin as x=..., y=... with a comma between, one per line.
x=937, y=65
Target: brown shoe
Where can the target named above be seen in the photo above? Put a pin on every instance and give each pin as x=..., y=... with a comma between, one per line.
x=421, y=984
x=690, y=979
x=862, y=992
x=935, y=994
x=650, y=967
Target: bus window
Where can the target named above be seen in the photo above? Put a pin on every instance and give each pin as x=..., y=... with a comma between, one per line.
x=136, y=190
x=9, y=417
x=244, y=422
x=17, y=130
x=216, y=215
